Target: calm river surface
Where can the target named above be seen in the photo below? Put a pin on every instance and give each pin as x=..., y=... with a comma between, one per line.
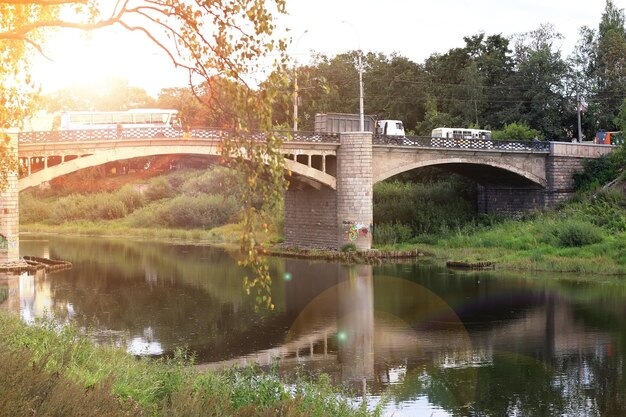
x=434, y=342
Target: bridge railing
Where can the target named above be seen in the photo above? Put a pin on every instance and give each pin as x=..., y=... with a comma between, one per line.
x=287, y=136
x=159, y=132
x=460, y=143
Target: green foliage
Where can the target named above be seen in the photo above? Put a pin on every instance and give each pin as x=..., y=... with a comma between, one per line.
x=596, y=172
x=33, y=210
x=348, y=247
x=53, y=370
x=131, y=198
x=575, y=233
x=517, y=131
x=607, y=209
x=391, y=233
x=426, y=208
x=29, y=389
x=205, y=212
x=158, y=188
x=214, y=181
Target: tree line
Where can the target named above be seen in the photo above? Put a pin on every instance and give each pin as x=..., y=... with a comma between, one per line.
x=491, y=82
x=521, y=84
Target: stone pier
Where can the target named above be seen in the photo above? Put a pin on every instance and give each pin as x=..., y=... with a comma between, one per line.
x=354, y=190
x=10, y=214
x=327, y=218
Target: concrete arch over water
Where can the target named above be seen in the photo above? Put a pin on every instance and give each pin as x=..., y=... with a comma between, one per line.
x=102, y=156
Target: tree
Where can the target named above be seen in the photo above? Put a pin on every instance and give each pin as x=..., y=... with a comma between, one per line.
x=609, y=70
x=230, y=39
x=517, y=131
x=620, y=119
x=539, y=80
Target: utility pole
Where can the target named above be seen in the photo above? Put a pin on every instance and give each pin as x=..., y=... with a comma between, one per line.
x=360, y=61
x=578, y=116
x=295, y=85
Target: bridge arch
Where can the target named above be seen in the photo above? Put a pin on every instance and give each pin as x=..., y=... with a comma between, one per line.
x=395, y=170
x=297, y=170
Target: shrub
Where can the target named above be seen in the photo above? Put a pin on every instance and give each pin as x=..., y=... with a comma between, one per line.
x=103, y=207
x=595, y=173
x=390, y=234
x=70, y=208
x=427, y=208
x=206, y=212
x=517, y=131
x=214, y=181
x=158, y=188
x=575, y=233
x=130, y=197
x=33, y=210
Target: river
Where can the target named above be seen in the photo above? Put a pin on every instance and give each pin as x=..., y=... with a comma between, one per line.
x=433, y=342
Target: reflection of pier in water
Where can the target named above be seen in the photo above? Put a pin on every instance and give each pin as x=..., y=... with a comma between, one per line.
x=547, y=329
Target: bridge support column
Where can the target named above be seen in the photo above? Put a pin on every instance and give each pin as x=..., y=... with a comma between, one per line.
x=354, y=190
x=10, y=214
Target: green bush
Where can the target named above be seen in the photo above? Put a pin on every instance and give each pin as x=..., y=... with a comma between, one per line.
x=348, y=247
x=130, y=197
x=517, y=131
x=34, y=210
x=391, y=233
x=158, y=188
x=213, y=181
x=596, y=172
x=206, y=212
x=576, y=233
x=430, y=208
x=102, y=207
x=99, y=206
x=70, y=208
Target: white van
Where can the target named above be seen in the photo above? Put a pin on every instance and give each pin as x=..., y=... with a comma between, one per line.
x=389, y=128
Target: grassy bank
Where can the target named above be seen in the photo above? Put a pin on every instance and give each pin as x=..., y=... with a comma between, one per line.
x=51, y=370
x=587, y=235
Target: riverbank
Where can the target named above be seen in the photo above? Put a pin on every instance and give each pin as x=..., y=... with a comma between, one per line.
x=516, y=245
x=52, y=370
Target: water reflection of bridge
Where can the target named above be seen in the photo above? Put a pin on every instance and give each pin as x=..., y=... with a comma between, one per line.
x=338, y=326
x=388, y=346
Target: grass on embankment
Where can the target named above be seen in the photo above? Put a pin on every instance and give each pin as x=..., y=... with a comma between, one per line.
x=584, y=236
x=222, y=235
x=52, y=370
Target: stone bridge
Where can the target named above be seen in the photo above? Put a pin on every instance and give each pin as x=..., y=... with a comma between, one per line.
x=329, y=201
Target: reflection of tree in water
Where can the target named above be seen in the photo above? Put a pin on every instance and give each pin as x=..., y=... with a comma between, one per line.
x=182, y=293
x=575, y=366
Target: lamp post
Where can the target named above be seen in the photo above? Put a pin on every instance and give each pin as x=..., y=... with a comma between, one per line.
x=360, y=69
x=295, y=84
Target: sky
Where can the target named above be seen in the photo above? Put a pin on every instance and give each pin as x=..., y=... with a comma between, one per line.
x=411, y=28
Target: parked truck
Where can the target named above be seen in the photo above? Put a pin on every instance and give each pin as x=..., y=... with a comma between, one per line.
x=335, y=123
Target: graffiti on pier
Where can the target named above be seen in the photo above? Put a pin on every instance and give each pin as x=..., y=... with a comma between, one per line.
x=355, y=230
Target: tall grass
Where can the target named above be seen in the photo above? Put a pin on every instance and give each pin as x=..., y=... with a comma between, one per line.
x=52, y=370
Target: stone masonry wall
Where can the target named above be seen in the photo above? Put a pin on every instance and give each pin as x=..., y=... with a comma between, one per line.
x=10, y=216
x=508, y=201
x=354, y=190
x=311, y=218
x=560, y=177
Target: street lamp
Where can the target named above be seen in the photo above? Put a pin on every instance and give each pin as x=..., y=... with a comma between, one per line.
x=360, y=54
x=295, y=84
